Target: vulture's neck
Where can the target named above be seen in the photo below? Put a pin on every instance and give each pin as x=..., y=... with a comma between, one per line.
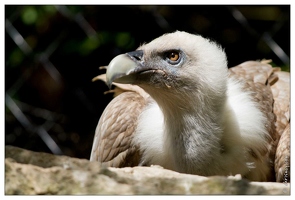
x=193, y=129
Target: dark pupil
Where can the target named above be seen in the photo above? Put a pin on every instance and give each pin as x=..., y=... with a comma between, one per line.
x=172, y=55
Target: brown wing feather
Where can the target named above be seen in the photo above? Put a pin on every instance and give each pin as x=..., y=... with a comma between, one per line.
x=282, y=159
x=112, y=143
x=281, y=93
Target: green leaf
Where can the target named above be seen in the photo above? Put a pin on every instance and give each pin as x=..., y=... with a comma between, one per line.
x=29, y=15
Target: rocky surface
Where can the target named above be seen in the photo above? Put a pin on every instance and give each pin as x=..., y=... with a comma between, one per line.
x=28, y=172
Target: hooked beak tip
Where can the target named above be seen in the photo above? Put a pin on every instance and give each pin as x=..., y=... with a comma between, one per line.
x=120, y=69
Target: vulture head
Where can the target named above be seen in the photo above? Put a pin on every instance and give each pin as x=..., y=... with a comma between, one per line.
x=170, y=66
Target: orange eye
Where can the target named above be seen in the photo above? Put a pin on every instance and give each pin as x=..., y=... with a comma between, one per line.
x=173, y=56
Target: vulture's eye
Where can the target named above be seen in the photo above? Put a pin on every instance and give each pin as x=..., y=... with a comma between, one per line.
x=173, y=57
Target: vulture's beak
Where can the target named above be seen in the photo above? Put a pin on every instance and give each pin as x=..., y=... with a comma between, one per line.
x=123, y=67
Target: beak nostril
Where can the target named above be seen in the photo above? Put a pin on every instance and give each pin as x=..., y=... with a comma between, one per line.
x=137, y=58
x=137, y=55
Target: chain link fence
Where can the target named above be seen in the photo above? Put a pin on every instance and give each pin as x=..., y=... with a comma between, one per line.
x=53, y=52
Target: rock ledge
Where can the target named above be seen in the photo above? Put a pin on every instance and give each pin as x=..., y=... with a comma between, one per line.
x=28, y=172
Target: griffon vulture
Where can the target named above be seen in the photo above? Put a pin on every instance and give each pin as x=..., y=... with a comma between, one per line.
x=180, y=107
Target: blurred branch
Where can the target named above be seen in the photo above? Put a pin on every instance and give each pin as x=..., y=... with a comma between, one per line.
x=19, y=115
x=79, y=19
x=266, y=37
x=17, y=38
x=40, y=112
x=276, y=48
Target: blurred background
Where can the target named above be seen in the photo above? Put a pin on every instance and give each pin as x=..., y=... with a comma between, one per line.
x=53, y=52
